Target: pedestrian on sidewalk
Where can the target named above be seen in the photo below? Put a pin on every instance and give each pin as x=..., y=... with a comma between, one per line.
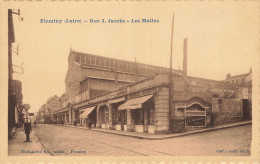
x=89, y=123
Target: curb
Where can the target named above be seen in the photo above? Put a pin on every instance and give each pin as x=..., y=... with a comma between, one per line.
x=176, y=135
x=168, y=136
x=207, y=130
x=40, y=144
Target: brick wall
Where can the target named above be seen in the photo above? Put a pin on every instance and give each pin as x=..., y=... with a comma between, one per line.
x=186, y=88
x=227, y=110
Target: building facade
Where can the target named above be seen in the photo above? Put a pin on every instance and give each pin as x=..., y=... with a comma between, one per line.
x=15, y=103
x=131, y=96
x=91, y=75
x=45, y=113
x=244, y=82
x=240, y=79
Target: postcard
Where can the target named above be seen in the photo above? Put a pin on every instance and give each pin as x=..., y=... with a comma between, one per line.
x=129, y=81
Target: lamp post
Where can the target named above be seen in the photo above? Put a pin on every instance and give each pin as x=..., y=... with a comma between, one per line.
x=27, y=123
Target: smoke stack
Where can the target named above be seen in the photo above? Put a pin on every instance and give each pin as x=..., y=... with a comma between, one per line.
x=185, y=57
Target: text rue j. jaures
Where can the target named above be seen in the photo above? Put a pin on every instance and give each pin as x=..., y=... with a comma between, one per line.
x=100, y=21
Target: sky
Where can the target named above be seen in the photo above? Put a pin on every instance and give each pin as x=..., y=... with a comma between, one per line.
x=221, y=39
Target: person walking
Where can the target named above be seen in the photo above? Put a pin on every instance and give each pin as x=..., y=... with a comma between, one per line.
x=89, y=123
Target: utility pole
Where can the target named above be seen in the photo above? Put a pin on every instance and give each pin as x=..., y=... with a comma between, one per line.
x=11, y=39
x=170, y=77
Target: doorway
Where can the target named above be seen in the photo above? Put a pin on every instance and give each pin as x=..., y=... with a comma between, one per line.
x=145, y=119
x=123, y=119
x=104, y=116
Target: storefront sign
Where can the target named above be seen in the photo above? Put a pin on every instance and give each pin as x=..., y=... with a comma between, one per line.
x=178, y=124
x=195, y=120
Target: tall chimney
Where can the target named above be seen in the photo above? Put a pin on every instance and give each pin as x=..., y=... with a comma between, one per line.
x=185, y=57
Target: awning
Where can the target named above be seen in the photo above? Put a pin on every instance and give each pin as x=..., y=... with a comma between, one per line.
x=87, y=112
x=134, y=103
x=116, y=100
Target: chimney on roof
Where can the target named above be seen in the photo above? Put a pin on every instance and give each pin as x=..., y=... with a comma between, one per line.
x=185, y=57
x=228, y=76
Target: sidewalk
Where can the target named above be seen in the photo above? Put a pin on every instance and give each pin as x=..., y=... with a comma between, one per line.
x=163, y=136
x=17, y=146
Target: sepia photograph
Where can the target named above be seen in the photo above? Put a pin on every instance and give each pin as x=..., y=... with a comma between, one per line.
x=130, y=79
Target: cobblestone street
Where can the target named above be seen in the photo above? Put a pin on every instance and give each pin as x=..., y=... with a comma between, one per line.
x=60, y=140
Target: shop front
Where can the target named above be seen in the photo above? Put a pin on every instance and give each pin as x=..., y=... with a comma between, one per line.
x=119, y=118
x=139, y=114
x=88, y=115
x=104, y=116
x=61, y=116
x=189, y=114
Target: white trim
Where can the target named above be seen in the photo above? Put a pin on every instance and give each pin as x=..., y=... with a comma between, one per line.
x=191, y=105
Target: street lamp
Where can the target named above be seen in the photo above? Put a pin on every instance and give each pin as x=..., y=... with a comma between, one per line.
x=27, y=123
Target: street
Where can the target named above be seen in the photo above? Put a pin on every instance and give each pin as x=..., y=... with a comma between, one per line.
x=61, y=140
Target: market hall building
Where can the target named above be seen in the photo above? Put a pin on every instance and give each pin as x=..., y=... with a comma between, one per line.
x=130, y=96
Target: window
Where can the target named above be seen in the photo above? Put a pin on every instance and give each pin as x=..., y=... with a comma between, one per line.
x=93, y=60
x=98, y=61
x=111, y=64
x=88, y=59
x=107, y=63
x=83, y=59
x=119, y=65
x=130, y=67
x=116, y=117
x=220, y=105
x=116, y=64
x=107, y=116
x=77, y=58
x=124, y=66
x=102, y=62
x=103, y=113
x=138, y=116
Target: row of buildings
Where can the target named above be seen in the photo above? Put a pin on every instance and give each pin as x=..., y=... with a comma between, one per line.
x=122, y=95
x=45, y=113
